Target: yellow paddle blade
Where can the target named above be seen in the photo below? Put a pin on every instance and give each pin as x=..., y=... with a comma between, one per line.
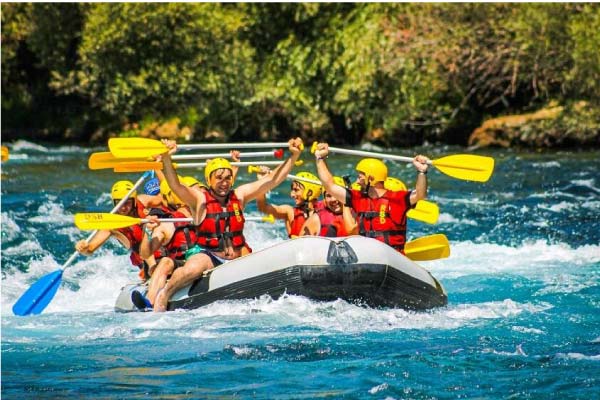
x=135, y=147
x=424, y=211
x=269, y=218
x=5, y=153
x=91, y=221
x=428, y=248
x=138, y=166
x=468, y=167
x=106, y=160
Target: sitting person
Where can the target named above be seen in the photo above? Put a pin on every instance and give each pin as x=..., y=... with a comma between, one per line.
x=218, y=215
x=175, y=241
x=381, y=213
x=332, y=219
x=304, y=194
x=131, y=236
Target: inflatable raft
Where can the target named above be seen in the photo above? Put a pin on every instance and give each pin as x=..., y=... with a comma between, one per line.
x=356, y=269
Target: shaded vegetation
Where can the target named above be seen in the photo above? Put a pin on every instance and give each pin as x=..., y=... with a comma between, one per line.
x=400, y=74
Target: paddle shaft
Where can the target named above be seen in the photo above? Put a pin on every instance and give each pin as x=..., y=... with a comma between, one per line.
x=114, y=210
x=276, y=153
x=145, y=220
x=215, y=146
x=372, y=155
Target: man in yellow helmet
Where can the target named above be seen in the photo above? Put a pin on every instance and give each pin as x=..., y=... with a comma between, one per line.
x=130, y=237
x=218, y=214
x=172, y=241
x=331, y=219
x=305, y=195
x=380, y=213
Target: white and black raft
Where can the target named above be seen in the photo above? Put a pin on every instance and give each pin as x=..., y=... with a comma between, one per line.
x=357, y=269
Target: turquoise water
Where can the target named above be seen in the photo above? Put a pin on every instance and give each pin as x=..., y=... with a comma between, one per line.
x=522, y=321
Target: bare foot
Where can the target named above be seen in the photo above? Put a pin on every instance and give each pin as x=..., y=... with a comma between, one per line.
x=160, y=303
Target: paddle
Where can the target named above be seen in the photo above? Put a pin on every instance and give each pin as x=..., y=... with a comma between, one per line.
x=143, y=147
x=105, y=160
x=467, y=167
x=424, y=210
x=5, y=153
x=428, y=248
x=41, y=293
x=136, y=166
x=88, y=221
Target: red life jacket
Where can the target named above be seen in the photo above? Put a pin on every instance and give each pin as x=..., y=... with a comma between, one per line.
x=332, y=225
x=219, y=225
x=140, y=208
x=183, y=239
x=300, y=215
x=384, y=218
x=134, y=235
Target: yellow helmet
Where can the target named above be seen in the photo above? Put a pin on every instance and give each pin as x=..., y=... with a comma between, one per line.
x=338, y=180
x=213, y=165
x=373, y=167
x=394, y=184
x=308, y=186
x=168, y=195
x=120, y=190
x=190, y=181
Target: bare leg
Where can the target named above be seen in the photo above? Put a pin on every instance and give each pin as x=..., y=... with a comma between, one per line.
x=159, y=277
x=192, y=269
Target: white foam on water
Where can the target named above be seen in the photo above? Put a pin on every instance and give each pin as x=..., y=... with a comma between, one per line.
x=446, y=218
x=104, y=199
x=52, y=213
x=98, y=280
x=23, y=145
x=15, y=282
x=523, y=329
x=578, y=356
x=261, y=318
x=558, y=207
x=546, y=164
x=589, y=183
x=28, y=246
x=531, y=259
x=10, y=229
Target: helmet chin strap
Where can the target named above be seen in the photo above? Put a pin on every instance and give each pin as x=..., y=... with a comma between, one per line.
x=366, y=191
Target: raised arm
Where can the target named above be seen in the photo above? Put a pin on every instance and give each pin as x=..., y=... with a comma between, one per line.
x=250, y=191
x=350, y=223
x=420, y=192
x=190, y=197
x=325, y=176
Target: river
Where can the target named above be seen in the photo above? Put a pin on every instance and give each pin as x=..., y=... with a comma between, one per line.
x=522, y=320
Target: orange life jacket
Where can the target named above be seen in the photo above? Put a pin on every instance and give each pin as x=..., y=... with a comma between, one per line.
x=383, y=218
x=332, y=225
x=220, y=224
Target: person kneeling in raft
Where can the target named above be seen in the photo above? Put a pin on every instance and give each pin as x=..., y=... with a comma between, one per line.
x=219, y=233
x=380, y=213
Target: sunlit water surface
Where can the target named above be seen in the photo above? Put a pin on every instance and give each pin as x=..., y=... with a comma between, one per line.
x=523, y=283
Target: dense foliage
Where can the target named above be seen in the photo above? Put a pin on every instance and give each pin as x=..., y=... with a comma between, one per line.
x=401, y=73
